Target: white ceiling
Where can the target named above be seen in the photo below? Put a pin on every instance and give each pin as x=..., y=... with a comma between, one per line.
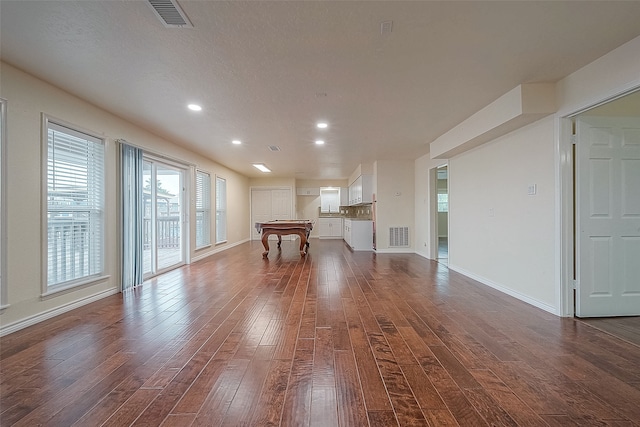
x=265, y=72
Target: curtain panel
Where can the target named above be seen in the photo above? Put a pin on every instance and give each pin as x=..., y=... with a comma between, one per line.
x=131, y=186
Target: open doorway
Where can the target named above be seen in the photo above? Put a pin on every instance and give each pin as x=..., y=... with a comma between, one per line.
x=442, y=214
x=603, y=263
x=607, y=208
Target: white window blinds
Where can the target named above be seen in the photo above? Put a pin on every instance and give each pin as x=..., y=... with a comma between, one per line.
x=203, y=209
x=75, y=200
x=221, y=210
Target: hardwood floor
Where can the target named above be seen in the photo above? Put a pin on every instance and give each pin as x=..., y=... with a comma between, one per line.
x=333, y=339
x=625, y=328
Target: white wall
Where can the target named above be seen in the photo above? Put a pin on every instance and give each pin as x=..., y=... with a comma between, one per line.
x=610, y=75
x=394, y=182
x=525, y=249
x=27, y=98
x=498, y=233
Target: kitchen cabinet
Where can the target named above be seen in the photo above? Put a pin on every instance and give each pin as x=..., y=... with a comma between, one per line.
x=361, y=190
x=344, y=196
x=358, y=234
x=307, y=191
x=330, y=228
x=346, y=231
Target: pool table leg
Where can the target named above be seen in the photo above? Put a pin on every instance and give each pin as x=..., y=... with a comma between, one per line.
x=303, y=243
x=265, y=243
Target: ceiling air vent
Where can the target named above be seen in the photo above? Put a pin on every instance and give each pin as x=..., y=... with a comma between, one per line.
x=274, y=148
x=170, y=13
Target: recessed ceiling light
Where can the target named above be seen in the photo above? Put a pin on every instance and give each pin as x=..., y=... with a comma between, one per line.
x=194, y=107
x=236, y=142
x=322, y=125
x=261, y=167
x=319, y=142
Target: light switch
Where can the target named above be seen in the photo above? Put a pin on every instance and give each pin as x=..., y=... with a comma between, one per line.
x=532, y=189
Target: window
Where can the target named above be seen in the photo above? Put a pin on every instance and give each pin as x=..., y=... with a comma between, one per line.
x=203, y=209
x=443, y=202
x=75, y=207
x=221, y=210
x=3, y=139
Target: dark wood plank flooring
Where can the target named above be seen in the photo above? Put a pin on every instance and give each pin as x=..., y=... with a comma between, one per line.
x=625, y=328
x=333, y=339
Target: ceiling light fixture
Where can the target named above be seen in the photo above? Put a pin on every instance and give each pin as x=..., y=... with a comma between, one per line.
x=194, y=107
x=319, y=142
x=236, y=142
x=322, y=125
x=261, y=167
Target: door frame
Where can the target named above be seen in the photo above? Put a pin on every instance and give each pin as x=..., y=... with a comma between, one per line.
x=433, y=207
x=565, y=199
x=435, y=214
x=185, y=204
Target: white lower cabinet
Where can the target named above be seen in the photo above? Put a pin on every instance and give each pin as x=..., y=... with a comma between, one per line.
x=358, y=234
x=346, y=232
x=330, y=228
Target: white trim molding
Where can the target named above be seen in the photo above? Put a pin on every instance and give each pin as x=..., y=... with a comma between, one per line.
x=217, y=250
x=41, y=317
x=522, y=297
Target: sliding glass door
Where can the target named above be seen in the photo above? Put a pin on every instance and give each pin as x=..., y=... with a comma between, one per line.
x=163, y=223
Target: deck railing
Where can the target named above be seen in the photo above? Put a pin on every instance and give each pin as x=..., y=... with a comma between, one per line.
x=168, y=232
x=69, y=252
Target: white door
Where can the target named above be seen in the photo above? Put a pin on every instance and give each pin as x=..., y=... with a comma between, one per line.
x=281, y=204
x=163, y=221
x=260, y=210
x=269, y=205
x=608, y=216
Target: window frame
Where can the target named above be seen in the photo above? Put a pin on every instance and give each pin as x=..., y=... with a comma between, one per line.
x=443, y=205
x=206, y=210
x=221, y=210
x=90, y=279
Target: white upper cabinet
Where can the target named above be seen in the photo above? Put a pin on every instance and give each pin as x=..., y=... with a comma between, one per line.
x=361, y=190
x=308, y=191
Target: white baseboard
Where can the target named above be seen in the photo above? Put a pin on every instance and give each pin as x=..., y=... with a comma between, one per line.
x=522, y=297
x=218, y=250
x=396, y=251
x=423, y=255
x=41, y=317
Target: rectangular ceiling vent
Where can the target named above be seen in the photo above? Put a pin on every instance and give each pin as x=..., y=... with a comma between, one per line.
x=170, y=13
x=398, y=237
x=274, y=148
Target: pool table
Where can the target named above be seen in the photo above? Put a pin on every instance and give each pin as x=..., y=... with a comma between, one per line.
x=301, y=227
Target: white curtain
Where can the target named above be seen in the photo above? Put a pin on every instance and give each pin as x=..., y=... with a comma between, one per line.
x=131, y=187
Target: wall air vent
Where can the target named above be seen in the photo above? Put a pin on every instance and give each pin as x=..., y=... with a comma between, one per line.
x=170, y=13
x=398, y=237
x=274, y=148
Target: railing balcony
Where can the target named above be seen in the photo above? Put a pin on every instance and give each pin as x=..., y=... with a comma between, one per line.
x=70, y=251
x=168, y=232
